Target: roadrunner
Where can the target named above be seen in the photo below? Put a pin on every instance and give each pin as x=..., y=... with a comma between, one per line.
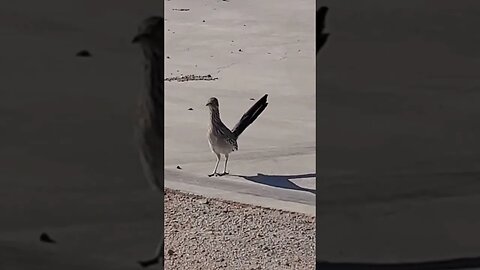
x=149, y=129
x=223, y=140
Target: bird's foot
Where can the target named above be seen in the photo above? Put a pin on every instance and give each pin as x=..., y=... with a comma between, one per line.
x=148, y=263
x=222, y=174
x=213, y=174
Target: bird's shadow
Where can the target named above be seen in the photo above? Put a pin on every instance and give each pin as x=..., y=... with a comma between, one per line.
x=457, y=263
x=280, y=181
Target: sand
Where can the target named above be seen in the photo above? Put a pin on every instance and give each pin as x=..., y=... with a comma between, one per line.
x=204, y=233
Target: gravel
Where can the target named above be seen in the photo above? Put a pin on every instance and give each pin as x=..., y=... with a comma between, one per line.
x=204, y=233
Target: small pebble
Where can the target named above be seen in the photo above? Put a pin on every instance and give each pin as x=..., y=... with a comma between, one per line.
x=83, y=53
x=46, y=238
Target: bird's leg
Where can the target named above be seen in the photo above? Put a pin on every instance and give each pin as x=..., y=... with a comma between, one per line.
x=225, y=167
x=159, y=257
x=216, y=166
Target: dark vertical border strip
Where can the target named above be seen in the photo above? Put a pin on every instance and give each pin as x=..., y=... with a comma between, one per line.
x=320, y=39
x=160, y=248
x=454, y=263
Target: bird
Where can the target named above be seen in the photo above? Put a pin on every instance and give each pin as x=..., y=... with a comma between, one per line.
x=149, y=129
x=221, y=139
x=321, y=36
x=149, y=132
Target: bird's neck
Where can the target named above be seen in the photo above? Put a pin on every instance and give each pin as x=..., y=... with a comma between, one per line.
x=154, y=67
x=214, y=115
x=151, y=103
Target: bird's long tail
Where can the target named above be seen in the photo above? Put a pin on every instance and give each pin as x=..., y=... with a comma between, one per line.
x=321, y=36
x=250, y=116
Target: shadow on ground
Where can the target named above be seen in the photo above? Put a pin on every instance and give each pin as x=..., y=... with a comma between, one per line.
x=461, y=263
x=280, y=181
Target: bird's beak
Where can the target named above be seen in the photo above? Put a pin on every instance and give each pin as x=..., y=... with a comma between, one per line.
x=137, y=38
x=207, y=104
